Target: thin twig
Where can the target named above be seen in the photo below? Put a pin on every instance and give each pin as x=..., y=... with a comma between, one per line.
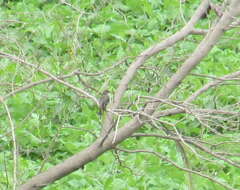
x=15, y=154
x=179, y=167
x=12, y=57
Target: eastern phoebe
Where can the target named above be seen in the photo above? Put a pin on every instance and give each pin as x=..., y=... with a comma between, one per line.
x=103, y=101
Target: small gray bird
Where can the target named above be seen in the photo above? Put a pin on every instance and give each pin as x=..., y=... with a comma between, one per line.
x=103, y=101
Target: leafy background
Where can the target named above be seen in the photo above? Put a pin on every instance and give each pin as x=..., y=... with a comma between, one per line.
x=90, y=36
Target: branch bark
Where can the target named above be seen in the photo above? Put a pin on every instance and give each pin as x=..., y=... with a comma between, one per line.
x=184, y=32
x=95, y=150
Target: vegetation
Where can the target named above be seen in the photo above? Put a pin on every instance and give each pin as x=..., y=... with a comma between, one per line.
x=57, y=57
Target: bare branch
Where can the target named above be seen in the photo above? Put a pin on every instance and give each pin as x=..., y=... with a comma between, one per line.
x=212, y=84
x=14, y=140
x=113, y=138
x=23, y=88
x=146, y=55
x=200, y=52
x=17, y=59
x=196, y=94
x=179, y=167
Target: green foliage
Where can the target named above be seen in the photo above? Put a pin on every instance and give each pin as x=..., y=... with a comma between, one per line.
x=51, y=120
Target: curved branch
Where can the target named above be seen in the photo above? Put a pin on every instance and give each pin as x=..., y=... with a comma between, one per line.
x=17, y=59
x=185, y=31
x=93, y=151
x=14, y=141
x=212, y=84
x=23, y=88
x=200, y=52
x=177, y=166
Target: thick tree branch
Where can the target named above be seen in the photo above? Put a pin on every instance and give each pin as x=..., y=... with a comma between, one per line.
x=93, y=151
x=184, y=32
x=200, y=52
